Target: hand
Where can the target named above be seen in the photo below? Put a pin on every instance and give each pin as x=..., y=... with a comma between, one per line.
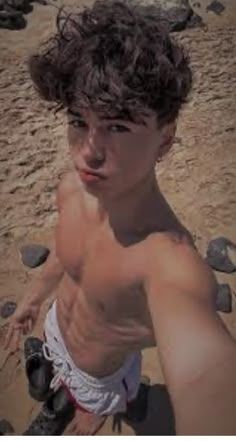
x=22, y=322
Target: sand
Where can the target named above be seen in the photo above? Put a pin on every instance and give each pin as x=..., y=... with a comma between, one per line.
x=198, y=178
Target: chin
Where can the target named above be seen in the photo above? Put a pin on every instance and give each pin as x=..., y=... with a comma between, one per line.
x=93, y=189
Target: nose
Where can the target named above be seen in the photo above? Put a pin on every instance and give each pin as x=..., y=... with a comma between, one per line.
x=93, y=151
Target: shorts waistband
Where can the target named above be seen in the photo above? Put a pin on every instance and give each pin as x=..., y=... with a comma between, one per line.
x=52, y=332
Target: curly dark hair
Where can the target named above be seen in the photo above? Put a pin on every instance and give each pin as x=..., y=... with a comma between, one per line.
x=114, y=57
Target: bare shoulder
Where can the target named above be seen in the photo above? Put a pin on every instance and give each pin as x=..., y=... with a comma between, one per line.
x=173, y=261
x=68, y=186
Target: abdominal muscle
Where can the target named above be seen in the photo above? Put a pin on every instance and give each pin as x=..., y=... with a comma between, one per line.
x=97, y=346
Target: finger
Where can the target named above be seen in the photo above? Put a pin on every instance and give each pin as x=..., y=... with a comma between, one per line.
x=16, y=339
x=8, y=336
x=25, y=329
x=30, y=324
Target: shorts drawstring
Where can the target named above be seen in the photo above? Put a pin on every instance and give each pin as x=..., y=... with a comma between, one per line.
x=106, y=395
x=62, y=367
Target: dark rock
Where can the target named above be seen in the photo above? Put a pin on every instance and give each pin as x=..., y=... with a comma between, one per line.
x=168, y=4
x=12, y=20
x=221, y=255
x=34, y=255
x=178, y=14
x=216, y=7
x=41, y=2
x=195, y=21
x=224, y=298
x=8, y=309
x=6, y=427
x=177, y=18
x=19, y=5
x=10, y=13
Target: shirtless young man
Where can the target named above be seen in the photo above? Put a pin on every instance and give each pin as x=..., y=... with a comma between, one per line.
x=127, y=273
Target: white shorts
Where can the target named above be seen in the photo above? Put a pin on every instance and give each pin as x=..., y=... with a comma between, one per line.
x=104, y=396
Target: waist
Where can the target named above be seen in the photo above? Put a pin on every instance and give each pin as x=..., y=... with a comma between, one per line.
x=97, y=346
x=89, y=357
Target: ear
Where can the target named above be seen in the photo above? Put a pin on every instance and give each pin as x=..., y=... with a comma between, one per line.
x=167, y=138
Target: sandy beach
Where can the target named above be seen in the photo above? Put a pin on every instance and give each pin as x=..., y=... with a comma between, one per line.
x=198, y=178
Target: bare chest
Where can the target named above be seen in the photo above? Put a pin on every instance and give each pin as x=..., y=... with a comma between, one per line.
x=108, y=275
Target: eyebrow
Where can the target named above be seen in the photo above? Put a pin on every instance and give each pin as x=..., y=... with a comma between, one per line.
x=117, y=116
x=124, y=118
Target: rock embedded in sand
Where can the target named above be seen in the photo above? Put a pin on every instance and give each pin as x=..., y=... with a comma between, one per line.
x=216, y=6
x=179, y=14
x=11, y=13
x=8, y=309
x=18, y=5
x=194, y=21
x=221, y=255
x=13, y=20
x=34, y=255
x=168, y=4
x=224, y=298
x=41, y=2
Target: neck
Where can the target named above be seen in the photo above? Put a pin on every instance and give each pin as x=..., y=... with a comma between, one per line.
x=135, y=211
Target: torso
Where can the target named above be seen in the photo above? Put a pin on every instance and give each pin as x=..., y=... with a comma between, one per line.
x=102, y=307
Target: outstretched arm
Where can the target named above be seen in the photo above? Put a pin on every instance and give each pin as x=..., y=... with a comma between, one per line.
x=40, y=288
x=197, y=353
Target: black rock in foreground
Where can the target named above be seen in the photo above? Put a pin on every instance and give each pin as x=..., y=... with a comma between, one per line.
x=7, y=309
x=221, y=255
x=224, y=298
x=34, y=255
x=13, y=20
x=11, y=13
x=216, y=7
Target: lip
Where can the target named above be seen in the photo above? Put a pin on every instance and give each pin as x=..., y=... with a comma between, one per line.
x=90, y=176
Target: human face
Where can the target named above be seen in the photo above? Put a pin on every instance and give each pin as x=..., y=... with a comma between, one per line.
x=112, y=155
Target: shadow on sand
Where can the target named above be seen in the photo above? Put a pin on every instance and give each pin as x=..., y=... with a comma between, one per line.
x=159, y=419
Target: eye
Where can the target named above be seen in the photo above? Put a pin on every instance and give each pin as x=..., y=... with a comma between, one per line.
x=117, y=128
x=78, y=123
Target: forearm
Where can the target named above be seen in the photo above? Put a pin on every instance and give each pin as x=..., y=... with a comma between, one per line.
x=46, y=281
x=207, y=405
x=198, y=357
